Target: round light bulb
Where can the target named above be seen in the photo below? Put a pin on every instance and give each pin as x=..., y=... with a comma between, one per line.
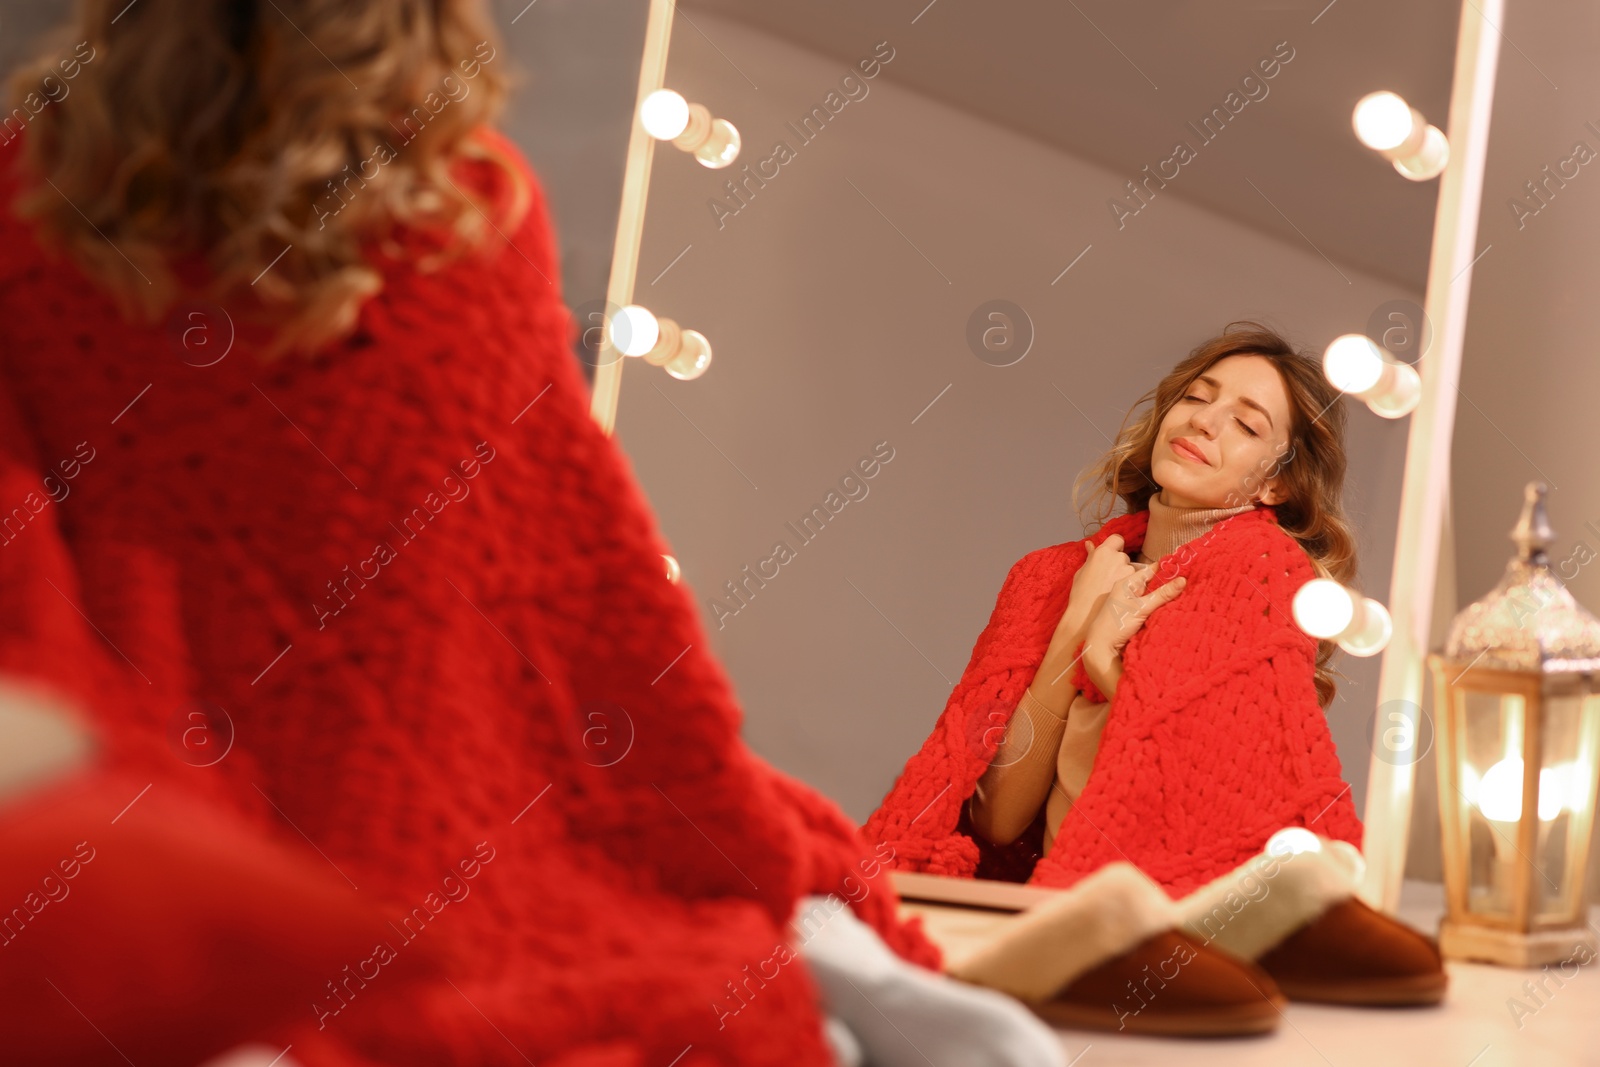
x=1552, y=790
x=1499, y=793
x=1353, y=363
x=1399, y=393
x=1370, y=631
x=1323, y=608
x=1293, y=840
x=694, y=356
x=1383, y=120
x=665, y=114
x=634, y=330
x=1429, y=160
x=722, y=147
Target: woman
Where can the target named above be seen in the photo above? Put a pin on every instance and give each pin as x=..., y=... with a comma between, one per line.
x=1231, y=483
x=281, y=333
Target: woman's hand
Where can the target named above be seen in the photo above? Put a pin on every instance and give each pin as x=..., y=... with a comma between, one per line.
x=1103, y=566
x=1120, y=616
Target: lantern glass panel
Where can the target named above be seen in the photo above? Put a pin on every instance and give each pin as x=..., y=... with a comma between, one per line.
x=1582, y=736
x=1563, y=781
x=1495, y=731
x=1491, y=783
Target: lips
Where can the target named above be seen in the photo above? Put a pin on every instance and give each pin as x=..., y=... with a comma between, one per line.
x=1184, y=448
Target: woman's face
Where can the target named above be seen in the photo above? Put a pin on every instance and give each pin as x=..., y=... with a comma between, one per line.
x=1235, y=418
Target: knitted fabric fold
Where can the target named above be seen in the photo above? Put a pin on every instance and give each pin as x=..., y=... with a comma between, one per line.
x=1214, y=741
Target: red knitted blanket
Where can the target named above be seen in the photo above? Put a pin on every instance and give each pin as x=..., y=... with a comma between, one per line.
x=424, y=594
x=1214, y=740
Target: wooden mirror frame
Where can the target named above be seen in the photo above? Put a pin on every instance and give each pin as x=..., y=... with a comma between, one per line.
x=1425, y=491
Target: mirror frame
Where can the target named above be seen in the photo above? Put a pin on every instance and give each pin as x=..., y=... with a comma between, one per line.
x=630, y=219
x=1425, y=492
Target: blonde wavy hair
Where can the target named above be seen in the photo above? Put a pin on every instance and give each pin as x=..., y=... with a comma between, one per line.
x=241, y=133
x=1312, y=476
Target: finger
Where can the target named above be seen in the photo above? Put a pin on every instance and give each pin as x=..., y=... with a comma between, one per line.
x=1131, y=612
x=1127, y=616
x=1163, y=595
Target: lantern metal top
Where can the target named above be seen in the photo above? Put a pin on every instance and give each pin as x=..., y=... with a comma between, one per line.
x=1529, y=622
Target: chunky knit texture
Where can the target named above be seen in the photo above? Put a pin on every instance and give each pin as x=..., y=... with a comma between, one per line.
x=1214, y=741
x=513, y=668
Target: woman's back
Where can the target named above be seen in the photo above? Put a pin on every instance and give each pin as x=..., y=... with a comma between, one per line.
x=352, y=504
x=416, y=578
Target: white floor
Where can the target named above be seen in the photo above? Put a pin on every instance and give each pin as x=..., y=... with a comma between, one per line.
x=1475, y=1026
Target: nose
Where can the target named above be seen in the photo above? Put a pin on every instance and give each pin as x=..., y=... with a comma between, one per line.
x=1202, y=418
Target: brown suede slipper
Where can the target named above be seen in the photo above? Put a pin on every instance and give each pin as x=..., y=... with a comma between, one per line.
x=1170, y=986
x=1351, y=954
x=1293, y=911
x=1108, y=954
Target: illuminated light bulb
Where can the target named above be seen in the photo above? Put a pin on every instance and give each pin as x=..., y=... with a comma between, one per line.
x=674, y=572
x=1499, y=792
x=634, y=330
x=1398, y=391
x=1370, y=635
x=1352, y=363
x=1560, y=782
x=1328, y=611
x=1323, y=608
x=665, y=114
x=1383, y=120
x=1293, y=840
x=1428, y=161
x=685, y=354
x=668, y=116
x=1498, y=797
x=721, y=147
x=692, y=359
x=1356, y=365
x=1388, y=125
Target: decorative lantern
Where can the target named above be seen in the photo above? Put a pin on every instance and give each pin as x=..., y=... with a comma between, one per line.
x=1518, y=716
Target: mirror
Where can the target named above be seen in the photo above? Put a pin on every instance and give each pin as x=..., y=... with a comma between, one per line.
x=956, y=248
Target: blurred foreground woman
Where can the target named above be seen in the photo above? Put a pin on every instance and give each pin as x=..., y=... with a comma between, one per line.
x=305, y=519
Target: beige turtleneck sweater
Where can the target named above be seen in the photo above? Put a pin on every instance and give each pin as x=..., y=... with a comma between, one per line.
x=1045, y=758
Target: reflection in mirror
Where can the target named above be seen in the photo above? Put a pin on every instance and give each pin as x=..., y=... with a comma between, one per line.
x=964, y=261
x=1231, y=485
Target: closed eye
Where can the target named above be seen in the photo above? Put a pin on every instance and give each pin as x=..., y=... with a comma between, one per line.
x=1240, y=421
